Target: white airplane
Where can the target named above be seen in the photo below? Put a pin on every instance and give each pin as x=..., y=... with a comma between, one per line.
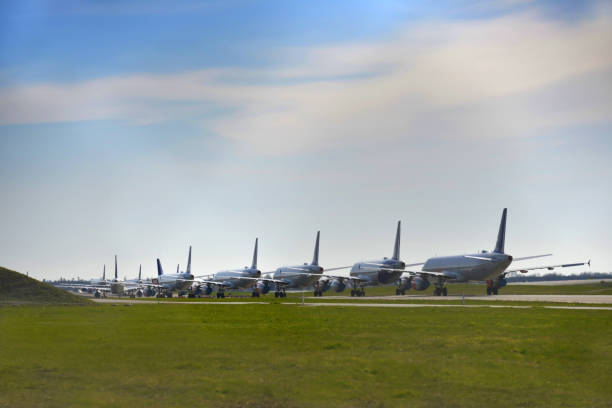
x=166, y=284
x=484, y=266
x=231, y=279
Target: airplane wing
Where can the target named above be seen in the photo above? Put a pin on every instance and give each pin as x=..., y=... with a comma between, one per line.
x=445, y=275
x=100, y=288
x=342, y=277
x=215, y=283
x=548, y=267
x=337, y=268
x=522, y=258
x=379, y=265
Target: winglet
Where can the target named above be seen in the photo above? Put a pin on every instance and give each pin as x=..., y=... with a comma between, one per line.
x=315, y=258
x=501, y=235
x=188, y=270
x=160, y=271
x=396, y=248
x=254, y=263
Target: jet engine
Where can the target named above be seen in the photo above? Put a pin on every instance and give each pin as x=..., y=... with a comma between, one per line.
x=419, y=283
x=264, y=287
x=337, y=285
x=404, y=283
x=149, y=291
x=501, y=282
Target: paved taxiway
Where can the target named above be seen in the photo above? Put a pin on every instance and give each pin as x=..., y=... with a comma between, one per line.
x=149, y=302
x=593, y=299
x=396, y=305
x=564, y=282
x=411, y=305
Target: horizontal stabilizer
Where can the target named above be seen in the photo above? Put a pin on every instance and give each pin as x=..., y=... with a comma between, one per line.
x=522, y=258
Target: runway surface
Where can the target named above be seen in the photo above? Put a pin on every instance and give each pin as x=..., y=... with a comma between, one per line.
x=563, y=282
x=593, y=299
x=365, y=302
x=149, y=302
x=412, y=305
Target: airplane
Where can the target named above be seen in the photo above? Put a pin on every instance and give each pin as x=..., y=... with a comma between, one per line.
x=116, y=285
x=166, y=284
x=368, y=273
x=134, y=287
x=484, y=266
x=293, y=277
x=98, y=286
x=100, y=282
x=231, y=279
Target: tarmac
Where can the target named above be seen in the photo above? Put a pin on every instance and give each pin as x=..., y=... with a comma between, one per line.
x=178, y=302
x=592, y=299
x=604, y=300
x=563, y=282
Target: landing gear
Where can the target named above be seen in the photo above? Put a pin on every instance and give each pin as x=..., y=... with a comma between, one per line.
x=440, y=289
x=280, y=293
x=399, y=291
x=255, y=293
x=492, y=287
x=358, y=292
x=318, y=292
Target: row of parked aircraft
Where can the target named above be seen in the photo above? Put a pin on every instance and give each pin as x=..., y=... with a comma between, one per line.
x=489, y=267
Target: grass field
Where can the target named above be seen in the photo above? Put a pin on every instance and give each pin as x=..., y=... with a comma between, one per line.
x=471, y=289
x=284, y=356
x=454, y=289
x=17, y=288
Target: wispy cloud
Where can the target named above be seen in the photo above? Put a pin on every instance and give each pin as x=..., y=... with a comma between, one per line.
x=499, y=77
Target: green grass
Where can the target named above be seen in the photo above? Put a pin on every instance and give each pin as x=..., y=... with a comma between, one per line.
x=285, y=356
x=412, y=296
x=471, y=289
x=16, y=288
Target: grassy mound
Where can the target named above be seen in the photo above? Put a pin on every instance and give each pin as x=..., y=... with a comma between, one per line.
x=16, y=288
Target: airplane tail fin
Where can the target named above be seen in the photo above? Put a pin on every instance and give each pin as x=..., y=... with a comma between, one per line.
x=315, y=258
x=160, y=271
x=104, y=273
x=501, y=235
x=140, y=272
x=396, y=248
x=177, y=268
x=115, y=267
x=188, y=270
x=254, y=263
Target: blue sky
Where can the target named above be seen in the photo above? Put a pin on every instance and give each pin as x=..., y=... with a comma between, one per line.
x=139, y=128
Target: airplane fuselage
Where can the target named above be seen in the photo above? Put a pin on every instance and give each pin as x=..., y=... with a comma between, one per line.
x=299, y=276
x=378, y=272
x=231, y=278
x=466, y=268
x=175, y=281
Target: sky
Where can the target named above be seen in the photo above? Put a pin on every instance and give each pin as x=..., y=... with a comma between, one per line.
x=138, y=128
